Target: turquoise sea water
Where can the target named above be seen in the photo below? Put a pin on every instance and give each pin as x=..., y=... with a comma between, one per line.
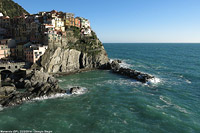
x=115, y=103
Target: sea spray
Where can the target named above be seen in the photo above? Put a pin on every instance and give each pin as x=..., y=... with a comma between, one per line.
x=123, y=63
x=153, y=81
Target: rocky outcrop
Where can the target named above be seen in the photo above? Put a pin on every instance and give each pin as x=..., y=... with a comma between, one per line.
x=76, y=90
x=74, y=53
x=139, y=76
x=37, y=84
x=6, y=90
x=69, y=60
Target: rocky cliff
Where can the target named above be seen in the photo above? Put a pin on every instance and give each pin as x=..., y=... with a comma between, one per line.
x=35, y=85
x=75, y=52
x=10, y=8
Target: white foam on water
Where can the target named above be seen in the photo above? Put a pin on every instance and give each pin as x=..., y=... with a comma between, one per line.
x=188, y=81
x=168, y=102
x=80, y=92
x=126, y=65
x=123, y=64
x=161, y=107
x=165, y=100
x=181, y=109
x=59, y=95
x=59, y=80
x=1, y=108
x=50, y=97
x=153, y=81
x=127, y=82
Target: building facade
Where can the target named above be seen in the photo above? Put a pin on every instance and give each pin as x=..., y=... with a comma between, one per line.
x=33, y=52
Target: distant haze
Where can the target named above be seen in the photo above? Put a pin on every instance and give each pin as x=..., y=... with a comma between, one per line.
x=132, y=20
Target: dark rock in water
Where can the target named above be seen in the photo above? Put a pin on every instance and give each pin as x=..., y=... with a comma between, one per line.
x=118, y=61
x=76, y=90
x=37, y=84
x=139, y=76
x=115, y=66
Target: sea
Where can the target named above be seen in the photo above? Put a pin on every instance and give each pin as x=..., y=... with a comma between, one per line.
x=116, y=104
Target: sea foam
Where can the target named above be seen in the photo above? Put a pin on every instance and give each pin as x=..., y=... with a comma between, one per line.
x=126, y=65
x=1, y=108
x=59, y=95
x=123, y=64
x=50, y=97
x=153, y=81
x=168, y=103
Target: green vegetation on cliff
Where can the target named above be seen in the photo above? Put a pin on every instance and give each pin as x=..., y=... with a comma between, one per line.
x=86, y=44
x=11, y=9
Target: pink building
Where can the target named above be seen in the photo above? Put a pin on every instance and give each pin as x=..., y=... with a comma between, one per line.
x=5, y=46
x=4, y=51
x=33, y=52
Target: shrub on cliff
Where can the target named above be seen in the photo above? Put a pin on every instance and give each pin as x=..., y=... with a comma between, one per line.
x=84, y=43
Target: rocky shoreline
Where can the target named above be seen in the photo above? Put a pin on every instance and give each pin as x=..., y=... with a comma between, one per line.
x=139, y=76
x=36, y=84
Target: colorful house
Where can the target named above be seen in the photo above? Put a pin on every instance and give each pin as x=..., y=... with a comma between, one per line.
x=5, y=47
x=33, y=52
x=77, y=22
x=85, y=23
x=68, y=19
x=4, y=51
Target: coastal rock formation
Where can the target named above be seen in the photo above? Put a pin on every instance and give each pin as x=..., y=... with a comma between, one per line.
x=75, y=52
x=69, y=60
x=76, y=90
x=6, y=90
x=37, y=84
x=139, y=76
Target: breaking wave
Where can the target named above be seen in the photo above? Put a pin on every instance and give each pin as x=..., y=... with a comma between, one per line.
x=153, y=81
x=59, y=95
x=1, y=108
x=126, y=65
x=51, y=97
x=123, y=63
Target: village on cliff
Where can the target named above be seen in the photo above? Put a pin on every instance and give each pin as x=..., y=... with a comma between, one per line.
x=26, y=37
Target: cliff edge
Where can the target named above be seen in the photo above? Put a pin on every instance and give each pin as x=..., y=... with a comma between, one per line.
x=74, y=52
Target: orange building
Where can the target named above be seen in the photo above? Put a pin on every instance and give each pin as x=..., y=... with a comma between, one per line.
x=77, y=22
x=69, y=22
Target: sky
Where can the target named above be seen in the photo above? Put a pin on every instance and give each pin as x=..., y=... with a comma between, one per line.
x=131, y=21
